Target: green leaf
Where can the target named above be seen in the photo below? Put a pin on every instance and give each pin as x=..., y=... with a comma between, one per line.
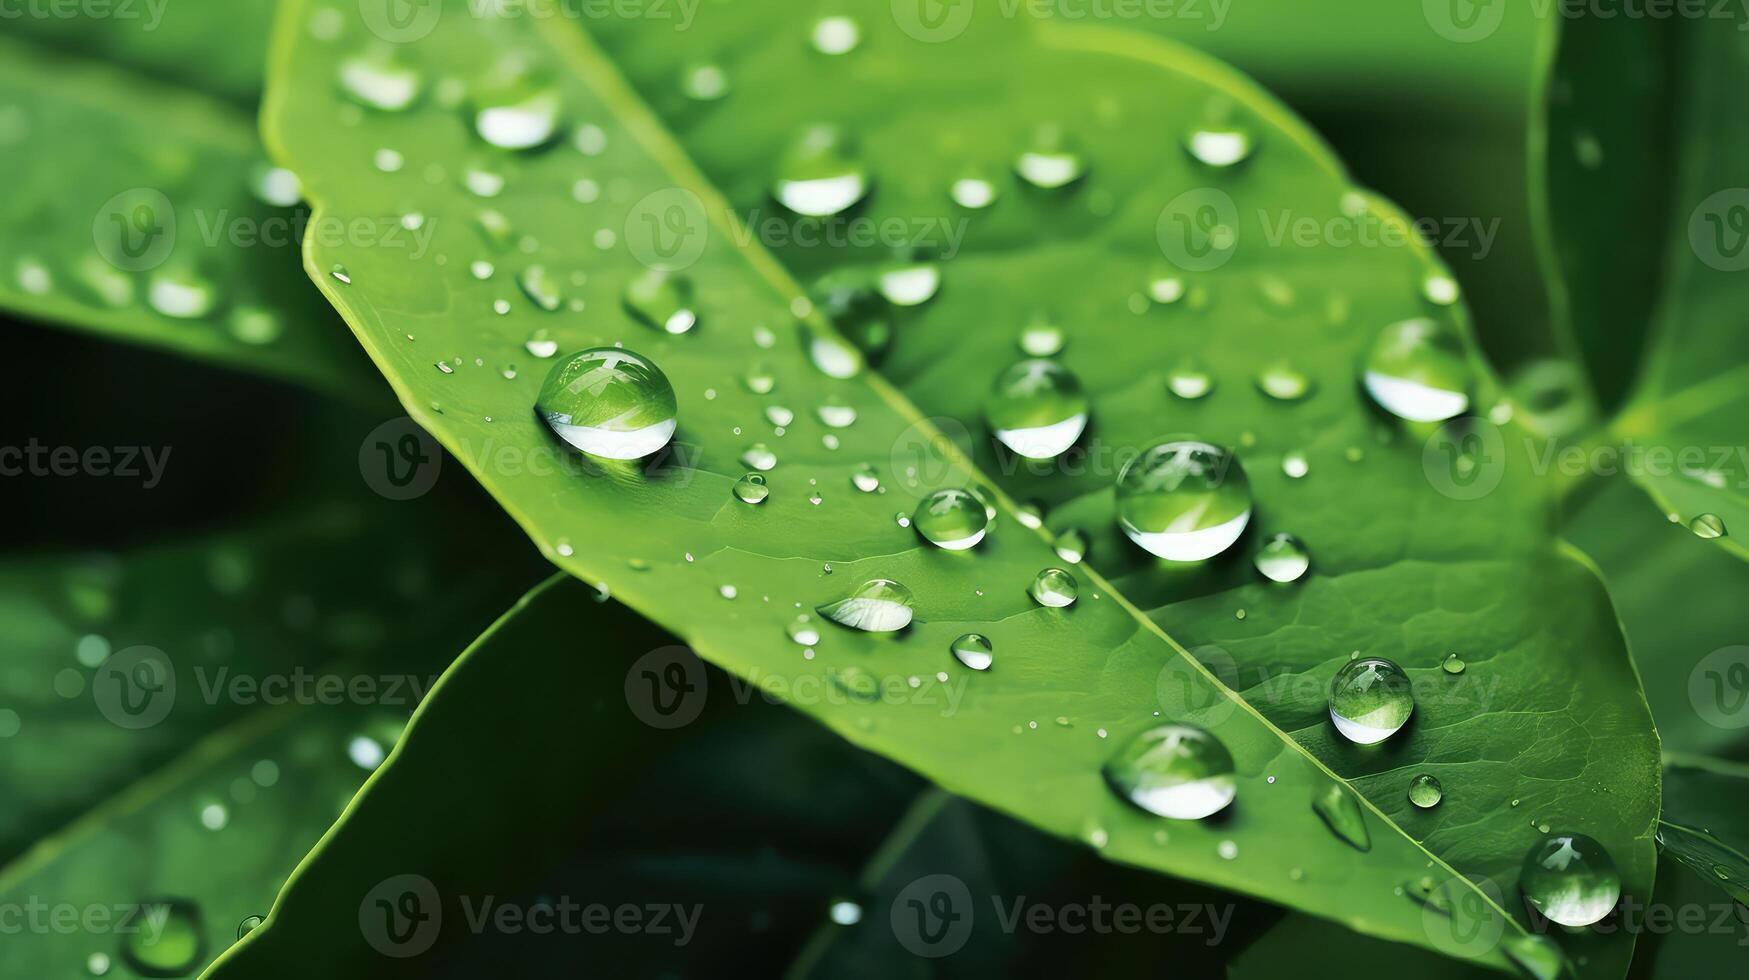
x=1412, y=556
x=1704, y=825
x=1685, y=422
x=668, y=536
x=132, y=215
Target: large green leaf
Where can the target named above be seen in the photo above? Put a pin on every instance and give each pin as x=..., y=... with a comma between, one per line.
x=669, y=537
x=136, y=212
x=1397, y=570
x=1686, y=419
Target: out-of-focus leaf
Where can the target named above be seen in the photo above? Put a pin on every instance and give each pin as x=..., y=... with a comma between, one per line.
x=147, y=213
x=1706, y=820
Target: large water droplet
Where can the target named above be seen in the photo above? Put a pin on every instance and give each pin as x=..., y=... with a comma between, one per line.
x=1417, y=371
x=975, y=651
x=1570, y=879
x=1707, y=526
x=877, y=606
x=1055, y=588
x=1341, y=812
x=1370, y=700
x=173, y=947
x=819, y=175
x=751, y=489
x=520, y=115
x=951, y=519
x=380, y=81
x=1177, y=771
x=609, y=402
x=1184, y=500
x=1425, y=791
x=1049, y=161
x=1282, y=558
x=662, y=300
x=1037, y=409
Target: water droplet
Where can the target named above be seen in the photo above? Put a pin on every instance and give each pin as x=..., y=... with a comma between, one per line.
x=1440, y=289
x=803, y=632
x=845, y=913
x=388, y=161
x=1425, y=791
x=1417, y=371
x=1037, y=409
x=751, y=489
x=380, y=81
x=704, y=83
x=1295, y=465
x=857, y=684
x=836, y=35
x=1042, y=339
x=542, y=287
x=1570, y=879
x=953, y=520
x=662, y=300
x=1707, y=526
x=255, y=325
x=1184, y=500
x=541, y=346
x=1228, y=850
x=173, y=948
x=877, y=606
x=275, y=186
x=109, y=284
x=973, y=191
x=1370, y=700
x=836, y=416
x=181, y=292
x=249, y=924
x=1173, y=770
x=834, y=357
x=1452, y=664
x=865, y=479
x=1219, y=147
x=1071, y=546
x=909, y=283
x=1029, y=515
x=520, y=115
x=609, y=402
x=1282, y=558
x=1166, y=289
x=1055, y=588
x=97, y=964
x=482, y=181
x=974, y=650
x=1341, y=812
x=1538, y=956
x=1190, y=380
x=1049, y=161
x=779, y=416
x=1284, y=382
x=819, y=175
x=760, y=457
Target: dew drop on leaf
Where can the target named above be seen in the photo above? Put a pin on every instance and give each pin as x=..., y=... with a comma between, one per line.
x=1049, y=160
x=518, y=115
x=1184, y=500
x=974, y=650
x=1417, y=371
x=380, y=81
x=751, y=489
x=1452, y=664
x=609, y=402
x=1341, y=812
x=1570, y=879
x=1370, y=700
x=1282, y=558
x=1041, y=339
x=173, y=947
x=1707, y=526
x=662, y=300
x=1173, y=770
x=877, y=606
x=953, y=520
x=1218, y=147
x=819, y=175
x=1425, y=791
x=181, y=292
x=1055, y=588
x=1283, y=382
x=1037, y=409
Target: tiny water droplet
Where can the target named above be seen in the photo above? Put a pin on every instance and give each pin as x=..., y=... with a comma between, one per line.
x=542, y=287
x=1294, y=465
x=1173, y=770
x=1071, y=546
x=819, y=175
x=1166, y=289
x=1425, y=791
x=751, y=489
x=1282, y=558
x=1029, y=515
x=1037, y=409
x=834, y=357
x=1049, y=160
x=379, y=80
x=803, y=632
x=1219, y=147
x=974, y=650
x=953, y=520
x=609, y=402
x=1452, y=664
x=836, y=416
x=1370, y=700
x=519, y=115
x=1538, y=956
x=909, y=283
x=1342, y=814
x=704, y=83
x=662, y=300
x=541, y=346
x=865, y=479
x=877, y=606
x=1417, y=371
x=1184, y=500
x=1570, y=879
x=835, y=35
x=973, y=191
x=1055, y=588
x=760, y=457
x=1440, y=289
x=1190, y=380
x=1042, y=339
x=1284, y=382
x=182, y=293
